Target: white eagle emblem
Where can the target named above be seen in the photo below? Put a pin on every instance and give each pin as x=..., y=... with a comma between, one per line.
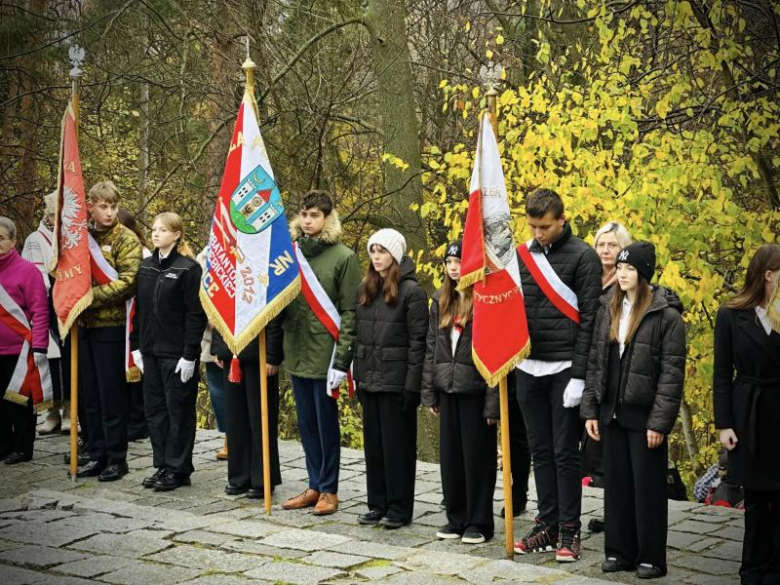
x=72, y=230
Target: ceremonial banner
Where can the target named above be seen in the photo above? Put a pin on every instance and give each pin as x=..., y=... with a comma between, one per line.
x=72, y=291
x=251, y=272
x=500, y=329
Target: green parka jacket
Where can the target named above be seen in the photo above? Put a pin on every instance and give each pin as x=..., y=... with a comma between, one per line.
x=307, y=344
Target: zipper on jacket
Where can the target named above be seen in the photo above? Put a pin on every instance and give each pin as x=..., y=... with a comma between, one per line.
x=154, y=306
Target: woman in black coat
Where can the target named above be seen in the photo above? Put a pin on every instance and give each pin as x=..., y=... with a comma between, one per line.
x=746, y=387
x=455, y=391
x=633, y=390
x=242, y=410
x=390, y=322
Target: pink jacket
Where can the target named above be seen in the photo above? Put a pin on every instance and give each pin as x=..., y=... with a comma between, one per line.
x=23, y=282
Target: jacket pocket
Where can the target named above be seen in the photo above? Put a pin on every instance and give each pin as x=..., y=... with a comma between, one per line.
x=360, y=365
x=394, y=366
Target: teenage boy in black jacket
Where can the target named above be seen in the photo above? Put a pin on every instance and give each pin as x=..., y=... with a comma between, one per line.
x=561, y=278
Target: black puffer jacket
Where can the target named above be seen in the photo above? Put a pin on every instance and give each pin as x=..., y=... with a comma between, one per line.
x=555, y=337
x=169, y=319
x=390, y=339
x=653, y=364
x=274, y=346
x=453, y=374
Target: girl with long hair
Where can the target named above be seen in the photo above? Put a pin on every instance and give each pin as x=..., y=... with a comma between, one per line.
x=390, y=322
x=632, y=395
x=454, y=390
x=167, y=328
x=746, y=394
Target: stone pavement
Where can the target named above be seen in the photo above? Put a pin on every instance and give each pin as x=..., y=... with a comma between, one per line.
x=54, y=531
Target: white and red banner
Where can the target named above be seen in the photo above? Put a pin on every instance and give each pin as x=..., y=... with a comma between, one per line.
x=72, y=291
x=251, y=273
x=30, y=378
x=104, y=273
x=560, y=295
x=489, y=263
x=325, y=311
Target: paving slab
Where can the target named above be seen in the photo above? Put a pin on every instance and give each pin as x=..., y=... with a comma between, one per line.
x=295, y=573
x=304, y=540
x=123, y=545
x=204, y=558
x=140, y=573
x=93, y=566
x=35, y=556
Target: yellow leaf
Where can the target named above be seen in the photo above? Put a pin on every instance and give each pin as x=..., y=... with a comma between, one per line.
x=500, y=40
x=489, y=54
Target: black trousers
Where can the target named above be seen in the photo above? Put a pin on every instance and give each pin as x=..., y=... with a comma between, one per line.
x=245, y=431
x=137, y=428
x=554, y=440
x=170, y=413
x=468, y=462
x=390, y=447
x=102, y=378
x=17, y=422
x=761, y=548
x=635, y=506
x=520, y=454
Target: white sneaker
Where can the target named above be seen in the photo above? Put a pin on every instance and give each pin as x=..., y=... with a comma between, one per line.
x=52, y=423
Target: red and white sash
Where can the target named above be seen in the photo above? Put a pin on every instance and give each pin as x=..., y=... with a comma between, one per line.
x=104, y=273
x=324, y=309
x=29, y=378
x=556, y=291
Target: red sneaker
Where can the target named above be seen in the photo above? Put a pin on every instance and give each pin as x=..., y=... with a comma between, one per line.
x=541, y=538
x=569, y=547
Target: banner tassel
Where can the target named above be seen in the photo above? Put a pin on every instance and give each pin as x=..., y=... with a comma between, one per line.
x=234, y=376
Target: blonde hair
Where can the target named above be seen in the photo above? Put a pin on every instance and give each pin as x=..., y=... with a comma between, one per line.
x=104, y=191
x=617, y=228
x=174, y=223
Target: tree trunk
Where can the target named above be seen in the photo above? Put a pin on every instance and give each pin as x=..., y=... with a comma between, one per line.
x=386, y=23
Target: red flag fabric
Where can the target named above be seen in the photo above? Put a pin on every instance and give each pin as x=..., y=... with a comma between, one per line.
x=489, y=263
x=72, y=291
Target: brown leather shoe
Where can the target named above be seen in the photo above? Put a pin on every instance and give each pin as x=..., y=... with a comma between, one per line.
x=327, y=504
x=305, y=500
x=222, y=454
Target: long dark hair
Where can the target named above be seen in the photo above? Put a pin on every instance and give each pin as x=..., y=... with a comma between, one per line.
x=642, y=302
x=452, y=304
x=754, y=292
x=373, y=283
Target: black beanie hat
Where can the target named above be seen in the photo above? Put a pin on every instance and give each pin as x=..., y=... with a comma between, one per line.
x=641, y=255
x=454, y=249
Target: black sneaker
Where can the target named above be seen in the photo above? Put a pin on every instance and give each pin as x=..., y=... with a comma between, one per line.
x=596, y=525
x=91, y=469
x=115, y=470
x=448, y=533
x=473, y=536
x=171, y=481
x=612, y=565
x=541, y=538
x=392, y=524
x=647, y=571
x=148, y=482
x=569, y=547
x=516, y=510
x=370, y=518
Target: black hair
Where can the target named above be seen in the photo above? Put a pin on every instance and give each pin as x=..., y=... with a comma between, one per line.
x=319, y=199
x=541, y=202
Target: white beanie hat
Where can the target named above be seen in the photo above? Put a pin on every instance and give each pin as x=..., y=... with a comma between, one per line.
x=390, y=240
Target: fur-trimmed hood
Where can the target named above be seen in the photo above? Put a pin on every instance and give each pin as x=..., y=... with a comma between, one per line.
x=331, y=232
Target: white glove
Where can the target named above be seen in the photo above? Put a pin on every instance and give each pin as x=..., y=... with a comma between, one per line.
x=335, y=378
x=138, y=360
x=572, y=396
x=187, y=369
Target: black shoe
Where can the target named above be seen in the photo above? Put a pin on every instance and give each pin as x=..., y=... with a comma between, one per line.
x=17, y=457
x=91, y=469
x=612, y=565
x=391, y=524
x=596, y=525
x=645, y=571
x=236, y=490
x=149, y=482
x=256, y=493
x=370, y=518
x=516, y=510
x=81, y=459
x=115, y=470
x=473, y=536
x=170, y=481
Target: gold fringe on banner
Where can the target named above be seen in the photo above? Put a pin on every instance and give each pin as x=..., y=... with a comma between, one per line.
x=83, y=303
x=43, y=406
x=492, y=378
x=16, y=398
x=471, y=279
x=133, y=375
